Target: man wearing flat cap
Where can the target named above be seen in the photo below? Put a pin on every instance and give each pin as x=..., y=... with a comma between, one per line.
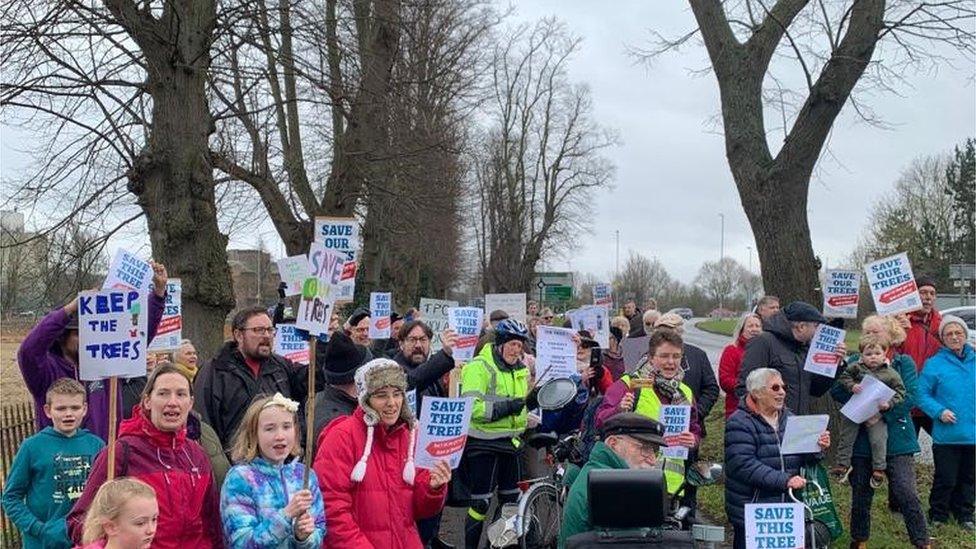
x=783, y=347
x=627, y=441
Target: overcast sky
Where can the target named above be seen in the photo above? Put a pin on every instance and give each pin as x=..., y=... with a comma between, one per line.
x=672, y=179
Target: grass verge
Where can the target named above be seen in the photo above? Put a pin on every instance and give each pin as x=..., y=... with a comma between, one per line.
x=887, y=529
x=725, y=327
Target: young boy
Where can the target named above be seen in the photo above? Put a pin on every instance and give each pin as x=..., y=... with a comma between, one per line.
x=51, y=468
x=874, y=362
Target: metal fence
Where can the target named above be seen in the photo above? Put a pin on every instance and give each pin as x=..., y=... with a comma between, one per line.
x=16, y=424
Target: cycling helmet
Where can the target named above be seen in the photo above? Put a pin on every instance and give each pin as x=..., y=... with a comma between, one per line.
x=510, y=329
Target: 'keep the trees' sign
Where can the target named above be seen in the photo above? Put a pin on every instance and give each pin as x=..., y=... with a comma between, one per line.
x=112, y=327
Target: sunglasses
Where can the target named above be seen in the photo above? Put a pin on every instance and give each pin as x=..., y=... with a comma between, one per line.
x=775, y=387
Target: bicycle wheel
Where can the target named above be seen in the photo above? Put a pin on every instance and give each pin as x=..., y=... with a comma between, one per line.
x=542, y=517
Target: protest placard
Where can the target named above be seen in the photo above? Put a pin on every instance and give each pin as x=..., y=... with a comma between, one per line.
x=840, y=293
x=341, y=234
x=676, y=419
x=513, y=304
x=170, y=330
x=380, y=307
x=128, y=272
x=319, y=290
x=434, y=313
x=603, y=294
x=443, y=430
x=774, y=525
x=821, y=357
x=893, y=285
x=634, y=349
x=594, y=319
x=555, y=353
x=293, y=271
x=865, y=404
x=466, y=323
x=803, y=433
x=291, y=344
x=112, y=328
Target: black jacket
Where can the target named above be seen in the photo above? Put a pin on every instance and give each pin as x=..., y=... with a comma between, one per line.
x=425, y=377
x=777, y=349
x=225, y=387
x=330, y=403
x=700, y=378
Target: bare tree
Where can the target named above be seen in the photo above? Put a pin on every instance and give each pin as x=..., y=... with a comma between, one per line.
x=726, y=282
x=540, y=160
x=641, y=278
x=832, y=44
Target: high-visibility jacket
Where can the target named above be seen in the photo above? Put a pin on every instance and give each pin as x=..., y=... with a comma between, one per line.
x=487, y=384
x=649, y=404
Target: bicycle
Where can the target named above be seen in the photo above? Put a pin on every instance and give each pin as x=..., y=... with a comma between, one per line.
x=534, y=521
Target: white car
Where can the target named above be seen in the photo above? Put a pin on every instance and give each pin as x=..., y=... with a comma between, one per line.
x=968, y=315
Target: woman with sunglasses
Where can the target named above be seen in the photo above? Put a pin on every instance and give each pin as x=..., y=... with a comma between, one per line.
x=755, y=469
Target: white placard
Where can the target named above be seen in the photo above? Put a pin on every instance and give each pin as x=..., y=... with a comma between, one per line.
x=380, y=307
x=594, y=319
x=821, y=358
x=555, y=353
x=293, y=271
x=112, y=326
x=291, y=344
x=513, y=304
x=128, y=272
x=802, y=434
x=893, y=285
x=434, y=314
x=865, y=404
x=341, y=234
x=840, y=293
x=319, y=290
x=603, y=294
x=774, y=525
x=443, y=430
x=676, y=419
x=169, y=333
x=466, y=323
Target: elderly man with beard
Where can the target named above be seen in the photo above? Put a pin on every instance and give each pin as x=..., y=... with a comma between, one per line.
x=627, y=441
x=243, y=369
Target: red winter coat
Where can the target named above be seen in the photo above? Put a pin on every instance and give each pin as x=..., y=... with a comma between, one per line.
x=381, y=511
x=922, y=340
x=177, y=468
x=728, y=373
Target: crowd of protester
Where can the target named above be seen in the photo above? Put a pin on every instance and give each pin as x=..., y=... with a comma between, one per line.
x=209, y=453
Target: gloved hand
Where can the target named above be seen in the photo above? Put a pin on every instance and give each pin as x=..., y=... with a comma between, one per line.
x=505, y=408
x=532, y=399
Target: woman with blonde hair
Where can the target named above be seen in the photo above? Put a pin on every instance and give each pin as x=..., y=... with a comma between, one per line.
x=262, y=502
x=123, y=515
x=729, y=365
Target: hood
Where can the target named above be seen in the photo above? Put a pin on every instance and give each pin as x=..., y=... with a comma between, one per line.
x=228, y=354
x=139, y=425
x=54, y=433
x=382, y=434
x=780, y=327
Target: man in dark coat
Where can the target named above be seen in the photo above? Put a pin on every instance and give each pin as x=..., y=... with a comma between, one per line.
x=425, y=370
x=243, y=369
x=783, y=347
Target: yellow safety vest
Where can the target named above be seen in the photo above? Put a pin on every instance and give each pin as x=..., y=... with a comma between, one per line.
x=486, y=383
x=649, y=405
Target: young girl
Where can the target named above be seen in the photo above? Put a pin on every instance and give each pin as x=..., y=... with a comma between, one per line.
x=123, y=515
x=262, y=503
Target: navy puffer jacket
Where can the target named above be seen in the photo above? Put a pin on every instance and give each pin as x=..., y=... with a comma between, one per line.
x=755, y=471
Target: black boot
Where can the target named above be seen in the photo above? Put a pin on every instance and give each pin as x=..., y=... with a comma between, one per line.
x=438, y=543
x=472, y=532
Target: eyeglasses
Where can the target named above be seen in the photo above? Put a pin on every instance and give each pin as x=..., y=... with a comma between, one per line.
x=547, y=318
x=262, y=330
x=953, y=333
x=775, y=387
x=647, y=449
x=417, y=340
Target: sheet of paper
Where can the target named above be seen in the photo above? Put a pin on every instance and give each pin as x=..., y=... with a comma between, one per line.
x=555, y=353
x=865, y=404
x=802, y=433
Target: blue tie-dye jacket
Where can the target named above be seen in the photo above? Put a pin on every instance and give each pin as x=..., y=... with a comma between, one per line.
x=252, y=503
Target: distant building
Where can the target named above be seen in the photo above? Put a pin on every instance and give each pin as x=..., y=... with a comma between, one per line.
x=254, y=277
x=22, y=267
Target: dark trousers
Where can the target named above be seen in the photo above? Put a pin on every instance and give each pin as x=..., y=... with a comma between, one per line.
x=901, y=484
x=738, y=536
x=922, y=422
x=488, y=471
x=429, y=528
x=953, y=485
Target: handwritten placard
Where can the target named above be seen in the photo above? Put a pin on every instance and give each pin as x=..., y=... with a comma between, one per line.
x=434, y=313
x=293, y=271
x=893, y=285
x=821, y=357
x=112, y=327
x=513, y=304
x=443, y=430
x=319, y=290
x=555, y=353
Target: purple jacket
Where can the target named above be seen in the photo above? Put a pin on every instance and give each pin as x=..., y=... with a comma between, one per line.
x=41, y=363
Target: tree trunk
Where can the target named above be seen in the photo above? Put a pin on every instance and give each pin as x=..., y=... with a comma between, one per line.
x=173, y=177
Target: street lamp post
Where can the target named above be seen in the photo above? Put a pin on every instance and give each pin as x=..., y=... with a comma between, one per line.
x=721, y=255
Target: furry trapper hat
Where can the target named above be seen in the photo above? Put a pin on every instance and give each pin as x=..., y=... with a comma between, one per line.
x=370, y=378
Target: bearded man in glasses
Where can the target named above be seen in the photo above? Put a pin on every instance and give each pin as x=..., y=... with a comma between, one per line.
x=244, y=368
